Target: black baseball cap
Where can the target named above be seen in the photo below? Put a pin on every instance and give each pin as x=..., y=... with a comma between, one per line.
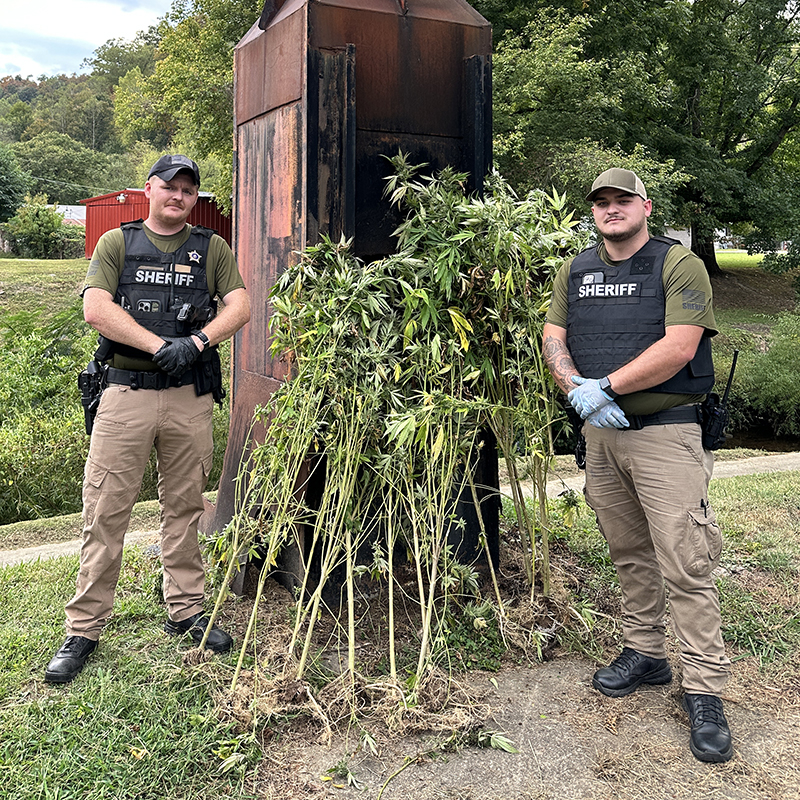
x=167, y=167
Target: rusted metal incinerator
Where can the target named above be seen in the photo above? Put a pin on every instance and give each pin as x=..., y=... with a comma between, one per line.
x=323, y=89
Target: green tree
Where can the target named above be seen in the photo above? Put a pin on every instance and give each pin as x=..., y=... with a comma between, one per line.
x=117, y=57
x=16, y=118
x=18, y=88
x=511, y=16
x=13, y=183
x=79, y=106
x=190, y=94
x=61, y=167
x=139, y=114
x=711, y=86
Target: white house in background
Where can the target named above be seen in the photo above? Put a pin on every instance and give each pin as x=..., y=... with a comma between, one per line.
x=683, y=236
x=73, y=215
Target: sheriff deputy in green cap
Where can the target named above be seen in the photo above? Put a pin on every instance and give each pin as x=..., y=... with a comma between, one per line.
x=628, y=339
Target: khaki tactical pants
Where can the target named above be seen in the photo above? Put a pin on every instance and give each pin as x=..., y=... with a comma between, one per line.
x=649, y=490
x=128, y=424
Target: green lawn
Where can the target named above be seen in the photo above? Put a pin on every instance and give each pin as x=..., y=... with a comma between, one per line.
x=28, y=284
x=143, y=720
x=737, y=259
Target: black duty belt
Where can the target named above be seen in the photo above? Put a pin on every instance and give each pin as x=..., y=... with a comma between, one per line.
x=147, y=380
x=669, y=417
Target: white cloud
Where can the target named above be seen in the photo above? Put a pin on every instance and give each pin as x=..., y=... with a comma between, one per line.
x=50, y=36
x=82, y=20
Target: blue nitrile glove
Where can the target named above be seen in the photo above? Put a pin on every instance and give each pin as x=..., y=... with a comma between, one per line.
x=609, y=416
x=175, y=356
x=588, y=397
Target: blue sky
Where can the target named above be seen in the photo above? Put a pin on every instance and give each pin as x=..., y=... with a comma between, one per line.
x=48, y=37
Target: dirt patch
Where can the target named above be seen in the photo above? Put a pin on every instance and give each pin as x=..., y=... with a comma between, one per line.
x=752, y=288
x=573, y=743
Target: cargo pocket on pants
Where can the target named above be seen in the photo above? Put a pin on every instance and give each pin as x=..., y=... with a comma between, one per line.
x=702, y=545
x=94, y=476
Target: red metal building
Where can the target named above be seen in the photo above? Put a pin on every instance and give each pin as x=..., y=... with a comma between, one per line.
x=108, y=211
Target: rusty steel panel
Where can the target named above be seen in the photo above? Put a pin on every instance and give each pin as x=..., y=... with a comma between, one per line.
x=456, y=11
x=323, y=90
x=409, y=69
x=269, y=67
x=331, y=205
x=269, y=221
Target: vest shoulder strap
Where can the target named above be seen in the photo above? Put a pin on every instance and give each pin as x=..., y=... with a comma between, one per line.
x=666, y=240
x=201, y=230
x=133, y=225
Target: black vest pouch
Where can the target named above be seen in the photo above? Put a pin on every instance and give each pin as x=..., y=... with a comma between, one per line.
x=207, y=374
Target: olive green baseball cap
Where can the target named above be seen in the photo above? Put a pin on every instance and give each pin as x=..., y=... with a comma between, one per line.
x=616, y=178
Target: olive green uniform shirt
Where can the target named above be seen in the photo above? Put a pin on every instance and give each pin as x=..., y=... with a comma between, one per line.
x=688, y=301
x=108, y=261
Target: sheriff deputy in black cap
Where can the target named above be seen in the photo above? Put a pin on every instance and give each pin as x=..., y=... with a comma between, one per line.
x=151, y=292
x=628, y=339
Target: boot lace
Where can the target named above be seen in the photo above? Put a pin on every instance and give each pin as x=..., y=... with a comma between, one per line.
x=707, y=708
x=625, y=659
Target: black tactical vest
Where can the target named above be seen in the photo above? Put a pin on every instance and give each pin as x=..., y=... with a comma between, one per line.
x=161, y=290
x=617, y=312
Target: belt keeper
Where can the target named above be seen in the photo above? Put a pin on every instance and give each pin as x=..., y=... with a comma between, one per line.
x=134, y=381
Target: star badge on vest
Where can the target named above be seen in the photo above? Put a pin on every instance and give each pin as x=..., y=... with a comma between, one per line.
x=194, y=256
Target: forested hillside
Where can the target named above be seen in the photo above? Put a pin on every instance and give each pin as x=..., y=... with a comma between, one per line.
x=170, y=87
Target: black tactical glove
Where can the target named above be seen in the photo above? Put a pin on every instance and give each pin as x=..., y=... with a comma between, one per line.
x=175, y=356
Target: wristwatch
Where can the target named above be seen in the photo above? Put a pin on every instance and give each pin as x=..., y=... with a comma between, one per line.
x=203, y=338
x=605, y=385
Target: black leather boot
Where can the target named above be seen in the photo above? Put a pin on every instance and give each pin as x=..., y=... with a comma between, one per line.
x=629, y=671
x=69, y=659
x=710, y=739
x=195, y=626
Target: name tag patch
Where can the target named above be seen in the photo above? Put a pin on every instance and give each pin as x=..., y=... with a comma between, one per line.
x=693, y=300
x=158, y=278
x=593, y=285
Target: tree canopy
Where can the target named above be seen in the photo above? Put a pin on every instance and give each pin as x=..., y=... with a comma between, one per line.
x=13, y=183
x=60, y=166
x=707, y=92
x=701, y=97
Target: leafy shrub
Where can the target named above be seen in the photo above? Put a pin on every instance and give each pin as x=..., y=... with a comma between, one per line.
x=770, y=382
x=37, y=230
x=72, y=242
x=41, y=465
x=42, y=442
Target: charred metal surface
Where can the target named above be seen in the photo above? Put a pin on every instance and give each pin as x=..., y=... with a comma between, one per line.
x=324, y=89
x=332, y=136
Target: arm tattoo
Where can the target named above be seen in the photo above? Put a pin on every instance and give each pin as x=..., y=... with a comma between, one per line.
x=559, y=362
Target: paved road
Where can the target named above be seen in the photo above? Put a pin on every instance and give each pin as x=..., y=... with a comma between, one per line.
x=724, y=469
